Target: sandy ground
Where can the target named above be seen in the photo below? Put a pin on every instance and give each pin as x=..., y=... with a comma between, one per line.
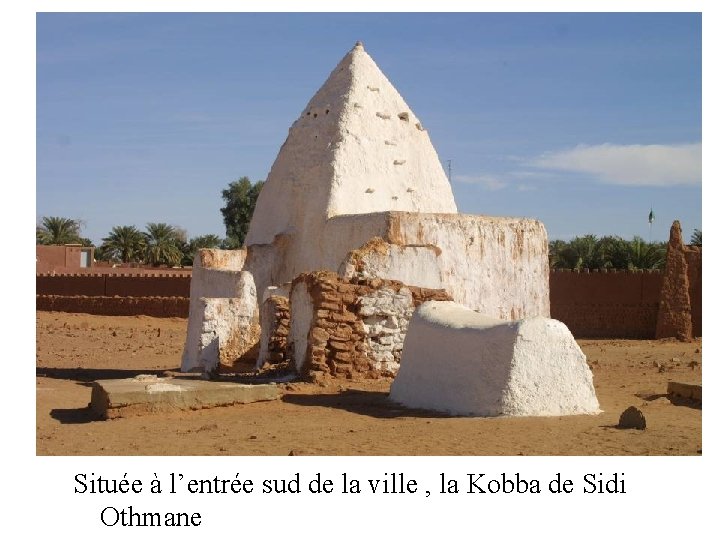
x=345, y=418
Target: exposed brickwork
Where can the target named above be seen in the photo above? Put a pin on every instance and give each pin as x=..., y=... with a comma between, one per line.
x=106, y=305
x=278, y=340
x=338, y=344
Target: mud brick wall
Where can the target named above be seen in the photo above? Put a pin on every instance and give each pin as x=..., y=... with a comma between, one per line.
x=117, y=305
x=621, y=304
x=169, y=284
x=356, y=327
x=279, y=317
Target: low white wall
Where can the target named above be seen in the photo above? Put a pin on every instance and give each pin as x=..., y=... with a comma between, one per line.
x=460, y=362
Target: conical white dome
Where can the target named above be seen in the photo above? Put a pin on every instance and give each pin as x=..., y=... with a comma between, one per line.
x=357, y=148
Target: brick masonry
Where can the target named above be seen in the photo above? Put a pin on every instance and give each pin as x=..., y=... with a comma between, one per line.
x=357, y=325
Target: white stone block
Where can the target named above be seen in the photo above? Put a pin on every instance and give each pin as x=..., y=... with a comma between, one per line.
x=460, y=362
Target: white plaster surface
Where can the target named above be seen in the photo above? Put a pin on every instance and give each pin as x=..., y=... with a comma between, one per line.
x=227, y=323
x=413, y=265
x=215, y=275
x=460, y=362
x=497, y=266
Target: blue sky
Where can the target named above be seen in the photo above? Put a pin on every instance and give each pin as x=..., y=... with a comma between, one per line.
x=584, y=121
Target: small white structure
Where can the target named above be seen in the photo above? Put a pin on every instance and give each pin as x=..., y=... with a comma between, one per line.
x=460, y=362
x=216, y=274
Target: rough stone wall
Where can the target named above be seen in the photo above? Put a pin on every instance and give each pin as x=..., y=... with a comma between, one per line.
x=674, y=315
x=115, y=305
x=608, y=304
x=355, y=328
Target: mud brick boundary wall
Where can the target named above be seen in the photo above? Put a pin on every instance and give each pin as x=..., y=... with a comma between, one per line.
x=100, y=284
x=606, y=304
x=152, y=306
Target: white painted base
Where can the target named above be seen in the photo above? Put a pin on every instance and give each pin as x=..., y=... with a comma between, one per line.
x=460, y=362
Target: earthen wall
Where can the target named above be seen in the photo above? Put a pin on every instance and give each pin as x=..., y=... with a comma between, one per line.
x=620, y=304
x=99, y=284
x=152, y=306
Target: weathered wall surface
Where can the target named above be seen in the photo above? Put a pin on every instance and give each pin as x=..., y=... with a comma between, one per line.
x=496, y=265
x=152, y=306
x=344, y=328
x=606, y=304
x=216, y=274
x=229, y=335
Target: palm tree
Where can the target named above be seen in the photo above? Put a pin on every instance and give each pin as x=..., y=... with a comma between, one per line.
x=161, y=244
x=696, y=239
x=645, y=256
x=615, y=252
x=125, y=243
x=588, y=251
x=58, y=231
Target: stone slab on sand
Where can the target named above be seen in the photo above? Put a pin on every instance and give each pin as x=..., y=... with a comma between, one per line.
x=685, y=390
x=117, y=398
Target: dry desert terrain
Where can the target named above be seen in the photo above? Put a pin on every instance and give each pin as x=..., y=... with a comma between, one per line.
x=347, y=417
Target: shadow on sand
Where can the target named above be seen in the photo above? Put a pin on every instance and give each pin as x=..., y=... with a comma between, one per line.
x=88, y=375
x=364, y=402
x=75, y=416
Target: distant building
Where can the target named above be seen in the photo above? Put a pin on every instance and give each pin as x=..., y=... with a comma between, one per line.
x=67, y=258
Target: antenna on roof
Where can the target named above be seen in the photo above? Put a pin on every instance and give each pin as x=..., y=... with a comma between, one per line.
x=449, y=163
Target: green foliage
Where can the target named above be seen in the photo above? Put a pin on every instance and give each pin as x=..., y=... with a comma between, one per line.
x=645, y=256
x=54, y=230
x=230, y=243
x=589, y=252
x=696, y=238
x=125, y=243
x=240, y=199
x=162, y=243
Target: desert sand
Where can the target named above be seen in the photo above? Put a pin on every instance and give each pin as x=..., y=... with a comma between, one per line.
x=346, y=417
